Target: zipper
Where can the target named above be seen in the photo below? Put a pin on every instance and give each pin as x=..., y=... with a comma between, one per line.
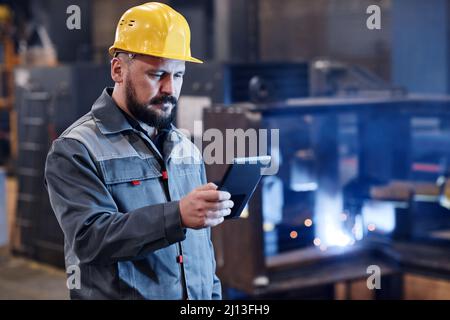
x=179, y=259
x=165, y=182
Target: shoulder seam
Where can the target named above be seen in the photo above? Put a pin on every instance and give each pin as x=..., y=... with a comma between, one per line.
x=69, y=130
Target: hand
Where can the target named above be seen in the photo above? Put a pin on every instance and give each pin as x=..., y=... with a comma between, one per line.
x=205, y=206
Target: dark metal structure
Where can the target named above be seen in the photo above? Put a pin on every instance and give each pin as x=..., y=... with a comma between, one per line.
x=240, y=82
x=48, y=100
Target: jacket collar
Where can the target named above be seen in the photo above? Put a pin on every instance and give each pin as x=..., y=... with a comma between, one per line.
x=107, y=115
x=110, y=119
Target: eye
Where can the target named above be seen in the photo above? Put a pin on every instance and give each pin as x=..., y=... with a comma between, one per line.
x=179, y=75
x=157, y=75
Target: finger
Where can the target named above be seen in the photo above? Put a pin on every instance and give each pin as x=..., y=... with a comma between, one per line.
x=224, y=212
x=224, y=195
x=214, y=214
x=227, y=212
x=217, y=222
x=208, y=186
x=214, y=195
x=227, y=204
x=213, y=222
x=218, y=214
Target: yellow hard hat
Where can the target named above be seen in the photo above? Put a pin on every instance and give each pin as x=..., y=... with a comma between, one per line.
x=154, y=29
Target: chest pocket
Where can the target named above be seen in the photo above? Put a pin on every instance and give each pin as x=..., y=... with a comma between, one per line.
x=187, y=170
x=184, y=177
x=133, y=182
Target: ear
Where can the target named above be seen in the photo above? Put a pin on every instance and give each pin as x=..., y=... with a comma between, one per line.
x=117, y=70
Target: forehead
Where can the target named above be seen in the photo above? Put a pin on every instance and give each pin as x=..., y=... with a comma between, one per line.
x=156, y=63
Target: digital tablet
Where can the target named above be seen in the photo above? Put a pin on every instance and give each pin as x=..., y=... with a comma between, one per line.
x=241, y=179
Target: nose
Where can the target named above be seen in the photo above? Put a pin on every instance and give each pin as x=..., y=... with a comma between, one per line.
x=167, y=86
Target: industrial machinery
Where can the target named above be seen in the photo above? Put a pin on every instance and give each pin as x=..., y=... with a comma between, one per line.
x=227, y=83
x=334, y=78
x=356, y=186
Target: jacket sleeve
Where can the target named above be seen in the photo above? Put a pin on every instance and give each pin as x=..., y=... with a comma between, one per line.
x=93, y=227
x=217, y=286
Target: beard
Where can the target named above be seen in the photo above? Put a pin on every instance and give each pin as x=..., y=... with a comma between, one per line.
x=145, y=112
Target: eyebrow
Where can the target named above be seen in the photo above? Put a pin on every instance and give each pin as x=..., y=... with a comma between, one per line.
x=164, y=71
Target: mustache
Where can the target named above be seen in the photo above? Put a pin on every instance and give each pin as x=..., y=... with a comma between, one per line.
x=164, y=99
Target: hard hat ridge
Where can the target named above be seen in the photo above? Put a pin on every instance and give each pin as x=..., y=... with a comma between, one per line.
x=154, y=29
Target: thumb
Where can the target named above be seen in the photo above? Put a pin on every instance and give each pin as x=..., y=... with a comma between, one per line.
x=208, y=186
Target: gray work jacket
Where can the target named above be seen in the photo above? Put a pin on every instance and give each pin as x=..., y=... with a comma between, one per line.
x=120, y=219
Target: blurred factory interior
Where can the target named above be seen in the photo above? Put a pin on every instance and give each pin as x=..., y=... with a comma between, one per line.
x=364, y=139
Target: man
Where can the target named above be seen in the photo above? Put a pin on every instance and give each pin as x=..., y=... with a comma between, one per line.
x=126, y=188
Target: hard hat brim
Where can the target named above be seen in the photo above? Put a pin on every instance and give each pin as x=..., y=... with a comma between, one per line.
x=113, y=49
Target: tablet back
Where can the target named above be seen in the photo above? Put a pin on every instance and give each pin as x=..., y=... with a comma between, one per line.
x=241, y=180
